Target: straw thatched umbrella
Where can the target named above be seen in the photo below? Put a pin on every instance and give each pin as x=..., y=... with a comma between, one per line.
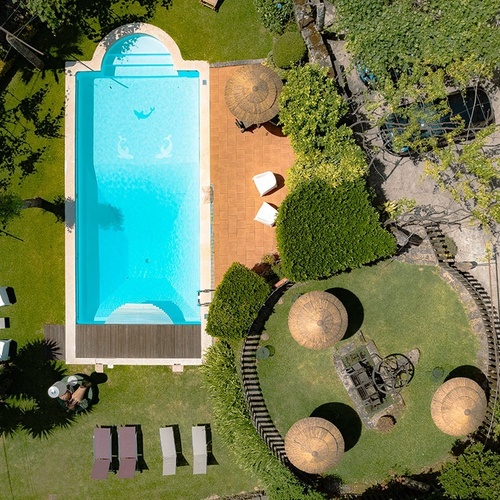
x=317, y=320
x=252, y=93
x=314, y=445
x=459, y=406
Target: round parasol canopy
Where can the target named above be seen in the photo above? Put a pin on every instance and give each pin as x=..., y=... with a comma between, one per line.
x=317, y=320
x=459, y=406
x=314, y=445
x=252, y=93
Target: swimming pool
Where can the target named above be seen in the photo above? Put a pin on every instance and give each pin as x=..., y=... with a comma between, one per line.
x=137, y=188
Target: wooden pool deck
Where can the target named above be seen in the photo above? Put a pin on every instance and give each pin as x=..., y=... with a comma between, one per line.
x=131, y=341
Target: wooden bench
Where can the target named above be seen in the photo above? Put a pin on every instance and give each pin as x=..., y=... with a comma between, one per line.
x=212, y=4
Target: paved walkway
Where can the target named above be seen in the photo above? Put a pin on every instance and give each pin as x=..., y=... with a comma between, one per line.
x=234, y=159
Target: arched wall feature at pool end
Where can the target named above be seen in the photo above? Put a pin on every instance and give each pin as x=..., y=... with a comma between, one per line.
x=115, y=57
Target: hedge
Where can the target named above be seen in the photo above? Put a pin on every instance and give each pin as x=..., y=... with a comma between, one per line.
x=321, y=230
x=232, y=421
x=236, y=302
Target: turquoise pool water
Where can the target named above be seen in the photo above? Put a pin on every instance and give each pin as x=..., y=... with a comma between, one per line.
x=137, y=188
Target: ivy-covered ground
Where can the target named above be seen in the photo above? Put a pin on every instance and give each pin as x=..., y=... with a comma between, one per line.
x=401, y=307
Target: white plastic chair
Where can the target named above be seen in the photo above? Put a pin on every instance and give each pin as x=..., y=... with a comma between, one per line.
x=266, y=214
x=265, y=182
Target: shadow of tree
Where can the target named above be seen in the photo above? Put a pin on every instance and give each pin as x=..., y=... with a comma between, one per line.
x=41, y=420
x=354, y=308
x=416, y=486
x=34, y=370
x=16, y=152
x=344, y=418
x=10, y=416
x=109, y=217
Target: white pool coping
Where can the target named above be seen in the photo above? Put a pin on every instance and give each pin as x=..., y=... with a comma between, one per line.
x=205, y=190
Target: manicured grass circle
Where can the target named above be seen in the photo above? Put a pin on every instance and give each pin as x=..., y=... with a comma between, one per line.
x=401, y=307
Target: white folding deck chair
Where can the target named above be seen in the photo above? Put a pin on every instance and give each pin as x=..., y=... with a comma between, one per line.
x=168, y=450
x=199, y=435
x=211, y=4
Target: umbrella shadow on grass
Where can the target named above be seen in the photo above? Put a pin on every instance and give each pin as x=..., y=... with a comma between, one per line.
x=344, y=418
x=354, y=308
x=472, y=372
x=96, y=379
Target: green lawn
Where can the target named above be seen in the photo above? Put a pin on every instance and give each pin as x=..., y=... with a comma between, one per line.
x=234, y=33
x=402, y=307
x=33, y=264
x=32, y=468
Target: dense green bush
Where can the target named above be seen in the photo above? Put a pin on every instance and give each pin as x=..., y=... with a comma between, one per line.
x=232, y=421
x=275, y=14
x=236, y=302
x=322, y=230
x=311, y=110
x=289, y=49
x=475, y=475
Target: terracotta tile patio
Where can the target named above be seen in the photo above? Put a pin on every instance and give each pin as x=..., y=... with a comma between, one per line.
x=235, y=158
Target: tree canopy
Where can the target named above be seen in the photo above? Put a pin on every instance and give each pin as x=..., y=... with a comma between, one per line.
x=312, y=111
x=321, y=230
x=425, y=42
x=475, y=475
x=95, y=17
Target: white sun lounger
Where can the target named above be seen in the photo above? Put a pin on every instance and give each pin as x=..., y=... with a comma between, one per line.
x=199, y=435
x=168, y=450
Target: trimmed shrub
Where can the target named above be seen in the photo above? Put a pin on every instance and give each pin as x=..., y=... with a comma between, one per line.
x=321, y=230
x=289, y=49
x=232, y=421
x=236, y=302
x=274, y=14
